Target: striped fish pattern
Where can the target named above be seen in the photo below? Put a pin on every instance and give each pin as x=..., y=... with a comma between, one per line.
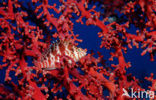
x=50, y=57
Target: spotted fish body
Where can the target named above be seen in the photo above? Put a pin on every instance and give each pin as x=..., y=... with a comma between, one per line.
x=50, y=57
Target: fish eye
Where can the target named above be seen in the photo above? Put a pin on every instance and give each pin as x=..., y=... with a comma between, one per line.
x=79, y=49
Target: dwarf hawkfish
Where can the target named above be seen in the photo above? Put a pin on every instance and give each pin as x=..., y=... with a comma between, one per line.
x=50, y=57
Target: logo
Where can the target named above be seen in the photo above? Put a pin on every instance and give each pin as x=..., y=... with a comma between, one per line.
x=138, y=93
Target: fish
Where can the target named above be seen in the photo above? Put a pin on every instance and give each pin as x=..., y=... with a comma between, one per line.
x=51, y=56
